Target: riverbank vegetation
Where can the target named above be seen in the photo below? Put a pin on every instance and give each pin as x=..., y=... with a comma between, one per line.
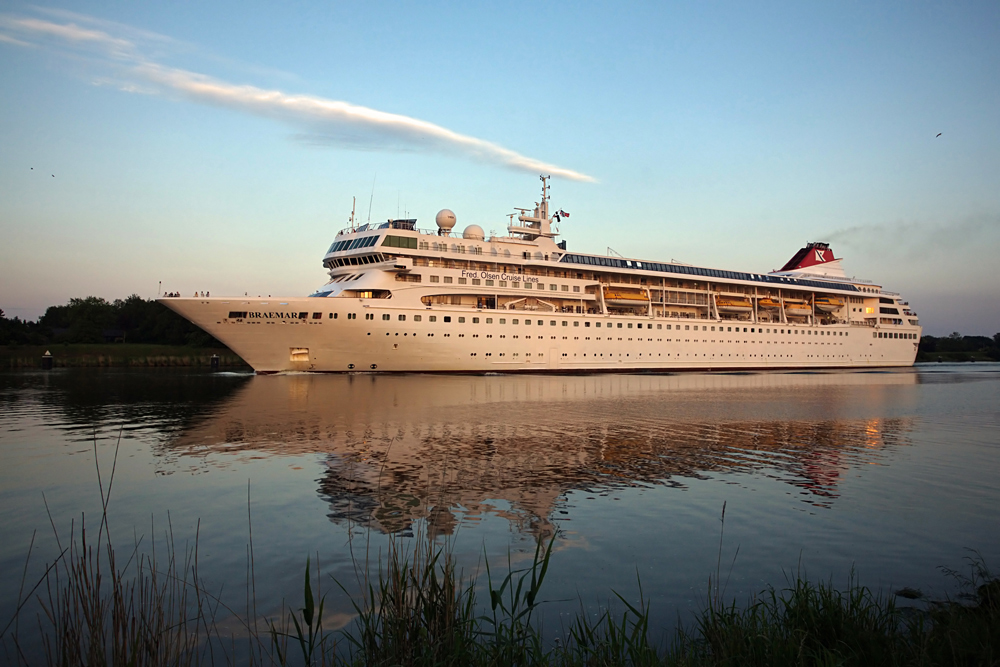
x=98, y=604
x=957, y=347
x=96, y=332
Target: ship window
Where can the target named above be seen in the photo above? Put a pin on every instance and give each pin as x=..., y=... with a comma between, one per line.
x=489, y=283
x=527, y=321
x=514, y=322
x=400, y=242
x=402, y=318
x=576, y=324
x=586, y=324
x=476, y=281
x=435, y=279
x=552, y=323
x=704, y=328
x=333, y=316
x=447, y=318
x=489, y=320
x=417, y=318
x=527, y=285
x=688, y=327
x=565, y=288
x=620, y=325
x=448, y=279
x=462, y=281
x=317, y=316
x=461, y=320
x=503, y=283
x=629, y=325
x=659, y=326
x=514, y=285
x=576, y=288
x=432, y=318
x=235, y=315
x=475, y=320
x=385, y=316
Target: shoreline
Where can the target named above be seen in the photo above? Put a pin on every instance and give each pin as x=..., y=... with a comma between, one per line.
x=101, y=355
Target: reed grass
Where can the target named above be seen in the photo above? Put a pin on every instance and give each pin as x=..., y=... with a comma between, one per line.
x=96, y=604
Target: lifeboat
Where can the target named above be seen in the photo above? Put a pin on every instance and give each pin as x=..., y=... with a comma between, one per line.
x=625, y=298
x=729, y=304
x=828, y=304
x=767, y=303
x=797, y=308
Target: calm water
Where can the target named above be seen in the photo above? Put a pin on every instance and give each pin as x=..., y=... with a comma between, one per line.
x=891, y=473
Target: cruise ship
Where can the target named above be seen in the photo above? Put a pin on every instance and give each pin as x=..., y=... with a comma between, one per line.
x=404, y=299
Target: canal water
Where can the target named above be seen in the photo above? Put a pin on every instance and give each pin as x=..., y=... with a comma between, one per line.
x=890, y=474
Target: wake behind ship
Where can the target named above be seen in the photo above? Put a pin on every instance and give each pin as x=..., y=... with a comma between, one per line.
x=403, y=299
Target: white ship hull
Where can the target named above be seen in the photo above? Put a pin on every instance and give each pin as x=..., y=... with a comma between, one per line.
x=362, y=345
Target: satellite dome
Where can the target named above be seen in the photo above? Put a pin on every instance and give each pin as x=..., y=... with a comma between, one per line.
x=445, y=219
x=474, y=232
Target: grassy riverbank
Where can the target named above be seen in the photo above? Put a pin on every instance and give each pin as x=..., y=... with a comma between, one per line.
x=95, y=605
x=73, y=355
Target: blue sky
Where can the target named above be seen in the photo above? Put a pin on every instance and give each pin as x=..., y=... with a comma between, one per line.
x=217, y=146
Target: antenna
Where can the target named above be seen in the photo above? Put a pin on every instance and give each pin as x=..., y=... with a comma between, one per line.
x=612, y=251
x=372, y=198
x=354, y=202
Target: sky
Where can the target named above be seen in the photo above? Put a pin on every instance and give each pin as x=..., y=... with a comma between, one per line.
x=218, y=146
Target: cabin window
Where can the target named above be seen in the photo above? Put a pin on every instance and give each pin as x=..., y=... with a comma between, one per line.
x=333, y=316
x=402, y=318
x=527, y=285
x=475, y=320
x=629, y=325
x=369, y=316
x=659, y=326
x=565, y=288
x=447, y=318
x=432, y=318
x=552, y=323
x=462, y=281
x=620, y=325
x=461, y=320
x=598, y=325
x=435, y=279
x=489, y=283
x=489, y=320
x=448, y=279
x=687, y=327
x=553, y=288
x=503, y=283
x=515, y=285
x=417, y=318
x=576, y=324
x=385, y=316
x=400, y=242
x=576, y=288
x=476, y=281
x=513, y=321
x=586, y=324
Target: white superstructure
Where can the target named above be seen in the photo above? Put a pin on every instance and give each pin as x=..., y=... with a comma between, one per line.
x=401, y=299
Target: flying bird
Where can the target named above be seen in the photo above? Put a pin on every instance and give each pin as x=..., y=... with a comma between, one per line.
x=938, y=135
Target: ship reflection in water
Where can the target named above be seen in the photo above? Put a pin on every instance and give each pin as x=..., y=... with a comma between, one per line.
x=450, y=449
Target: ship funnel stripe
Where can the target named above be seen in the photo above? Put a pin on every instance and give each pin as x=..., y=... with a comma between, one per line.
x=626, y=264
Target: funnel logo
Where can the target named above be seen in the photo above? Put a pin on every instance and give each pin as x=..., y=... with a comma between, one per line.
x=819, y=255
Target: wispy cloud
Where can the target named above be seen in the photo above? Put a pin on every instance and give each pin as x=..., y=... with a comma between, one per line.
x=326, y=121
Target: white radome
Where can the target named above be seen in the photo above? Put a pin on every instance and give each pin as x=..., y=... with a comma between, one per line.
x=445, y=219
x=474, y=233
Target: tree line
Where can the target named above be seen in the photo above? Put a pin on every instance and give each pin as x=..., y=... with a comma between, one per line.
x=96, y=320
x=956, y=347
